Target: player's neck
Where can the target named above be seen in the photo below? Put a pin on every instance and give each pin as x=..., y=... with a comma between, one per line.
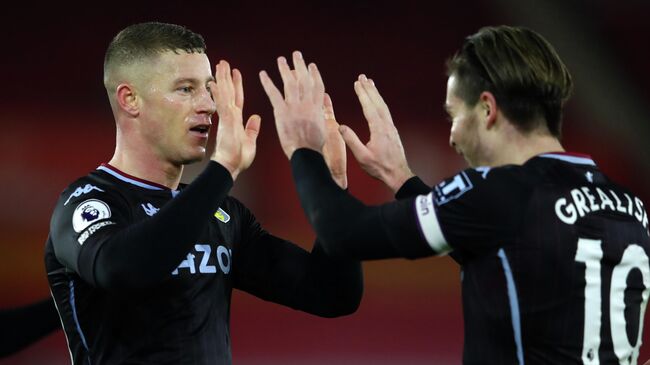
x=519, y=149
x=148, y=167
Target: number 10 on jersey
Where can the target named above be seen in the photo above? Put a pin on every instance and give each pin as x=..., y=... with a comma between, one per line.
x=590, y=252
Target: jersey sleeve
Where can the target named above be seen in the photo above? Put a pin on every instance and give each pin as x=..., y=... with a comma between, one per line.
x=280, y=271
x=85, y=216
x=25, y=325
x=472, y=211
x=346, y=226
x=412, y=188
x=475, y=210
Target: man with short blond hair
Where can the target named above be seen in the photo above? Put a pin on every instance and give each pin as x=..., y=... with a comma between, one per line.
x=142, y=267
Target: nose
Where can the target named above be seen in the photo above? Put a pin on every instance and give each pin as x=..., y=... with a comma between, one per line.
x=452, y=144
x=205, y=103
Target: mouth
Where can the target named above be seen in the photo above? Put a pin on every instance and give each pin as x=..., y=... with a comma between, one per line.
x=201, y=130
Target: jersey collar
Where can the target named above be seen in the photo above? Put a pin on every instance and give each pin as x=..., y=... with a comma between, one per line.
x=576, y=158
x=121, y=175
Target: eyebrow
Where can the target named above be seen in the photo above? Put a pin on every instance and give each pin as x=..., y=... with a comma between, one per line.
x=192, y=80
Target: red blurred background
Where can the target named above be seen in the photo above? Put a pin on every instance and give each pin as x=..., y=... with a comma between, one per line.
x=57, y=125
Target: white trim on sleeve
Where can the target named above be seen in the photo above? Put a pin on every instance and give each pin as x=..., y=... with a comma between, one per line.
x=429, y=224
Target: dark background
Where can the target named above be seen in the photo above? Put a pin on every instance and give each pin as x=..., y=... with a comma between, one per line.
x=56, y=125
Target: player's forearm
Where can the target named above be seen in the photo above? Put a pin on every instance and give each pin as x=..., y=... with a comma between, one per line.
x=143, y=254
x=277, y=270
x=333, y=287
x=23, y=326
x=345, y=226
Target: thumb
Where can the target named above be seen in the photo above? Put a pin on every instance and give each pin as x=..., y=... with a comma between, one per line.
x=328, y=108
x=253, y=126
x=359, y=150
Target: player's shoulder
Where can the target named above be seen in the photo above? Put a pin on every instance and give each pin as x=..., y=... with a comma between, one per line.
x=94, y=185
x=499, y=182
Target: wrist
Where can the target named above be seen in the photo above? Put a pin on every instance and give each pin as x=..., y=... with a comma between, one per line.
x=290, y=150
x=341, y=180
x=233, y=170
x=395, y=182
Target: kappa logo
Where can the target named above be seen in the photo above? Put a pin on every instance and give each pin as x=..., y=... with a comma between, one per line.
x=81, y=191
x=452, y=188
x=89, y=212
x=149, y=209
x=221, y=215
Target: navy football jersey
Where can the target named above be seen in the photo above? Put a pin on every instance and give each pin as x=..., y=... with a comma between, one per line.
x=554, y=260
x=184, y=319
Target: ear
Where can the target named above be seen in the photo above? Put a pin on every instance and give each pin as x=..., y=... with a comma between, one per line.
x=127, y=99
x=488, y=105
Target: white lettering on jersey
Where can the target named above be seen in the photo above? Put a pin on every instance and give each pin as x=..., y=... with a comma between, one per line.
x=223, y=256
x=566, y=212
x=92, y=229
x=188, y=263
x=81, y=191
x=585, y=200
x=89, y=212
x=205, y=267
x=429, y=225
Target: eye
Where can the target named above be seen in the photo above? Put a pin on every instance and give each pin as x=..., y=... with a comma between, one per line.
x=186, y=89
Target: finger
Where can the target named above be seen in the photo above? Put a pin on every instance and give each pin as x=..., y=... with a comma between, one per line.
x=328, y=107
x=299, y=65
x=224, y=96
x=304, y=78
x=317, y=82
x=368, y=107
x=239, y=88
x=217, y=89
x=334, y=152
x=301, y=90
x=253, y=127
x=359, y=150
x=275, y=97
x=376, y=98
x=227, y=77
x=290, y=83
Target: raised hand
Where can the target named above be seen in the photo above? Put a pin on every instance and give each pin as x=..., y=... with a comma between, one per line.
x=383, y=156
x=298, y=115
x=334, y=148
x=235, y=144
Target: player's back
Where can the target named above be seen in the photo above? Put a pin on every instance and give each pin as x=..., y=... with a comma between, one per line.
x=570, y=281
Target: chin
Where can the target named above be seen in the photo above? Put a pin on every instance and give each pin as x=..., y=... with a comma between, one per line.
x=193, y=158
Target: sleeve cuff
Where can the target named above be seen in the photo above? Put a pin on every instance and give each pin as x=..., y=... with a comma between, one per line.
x=412, y=188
